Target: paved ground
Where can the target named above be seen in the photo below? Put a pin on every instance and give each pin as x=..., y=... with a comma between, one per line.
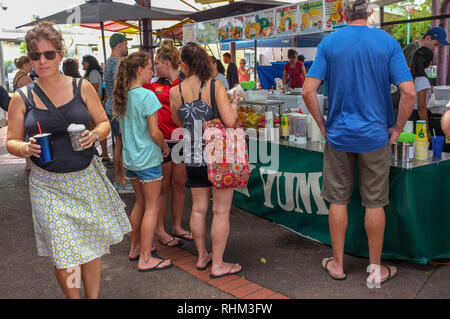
x=276, y=262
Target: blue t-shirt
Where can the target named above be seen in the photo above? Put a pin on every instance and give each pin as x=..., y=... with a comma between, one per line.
x=139, y=150
x=359, y=63
x=109, y=76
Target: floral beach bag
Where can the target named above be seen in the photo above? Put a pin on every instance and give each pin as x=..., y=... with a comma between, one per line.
x=226, y=151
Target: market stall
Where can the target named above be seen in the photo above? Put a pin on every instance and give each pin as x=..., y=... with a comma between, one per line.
x=286, y=178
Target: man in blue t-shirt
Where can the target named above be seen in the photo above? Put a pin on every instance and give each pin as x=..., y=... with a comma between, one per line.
x=359, y=63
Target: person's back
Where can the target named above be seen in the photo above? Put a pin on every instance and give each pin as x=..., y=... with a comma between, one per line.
x=361, y=62
x=109, y=77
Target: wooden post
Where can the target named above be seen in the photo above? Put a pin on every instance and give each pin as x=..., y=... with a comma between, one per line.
x=102, y=27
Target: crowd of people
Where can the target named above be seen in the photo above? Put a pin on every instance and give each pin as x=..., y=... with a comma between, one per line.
x=77, y=211
x=86, y=215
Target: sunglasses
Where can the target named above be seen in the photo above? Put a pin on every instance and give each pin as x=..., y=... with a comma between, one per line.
x=49, y=55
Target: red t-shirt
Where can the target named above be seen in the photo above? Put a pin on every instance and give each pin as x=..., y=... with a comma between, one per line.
x=161, y=88
x=295, y=74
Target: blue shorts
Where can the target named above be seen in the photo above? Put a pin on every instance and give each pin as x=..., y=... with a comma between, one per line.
x=115, y=126
x=145, y=176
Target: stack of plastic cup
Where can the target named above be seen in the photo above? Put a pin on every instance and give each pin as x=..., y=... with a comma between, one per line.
x=421, y=141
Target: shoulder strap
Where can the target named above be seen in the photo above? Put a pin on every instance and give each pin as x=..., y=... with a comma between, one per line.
x=181, y=94
x=77, y=89
x=28, y=104
x=50, y=106
x=213, y=99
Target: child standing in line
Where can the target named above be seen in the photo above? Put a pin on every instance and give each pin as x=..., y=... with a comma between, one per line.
x=137, y=109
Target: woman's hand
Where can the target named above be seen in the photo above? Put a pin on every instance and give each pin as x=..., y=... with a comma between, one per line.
x=166, y=151
x=88, y=139
x=32, y=148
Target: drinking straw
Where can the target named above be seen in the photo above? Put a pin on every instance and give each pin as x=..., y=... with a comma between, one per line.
x=434, y=133
x=39, y=126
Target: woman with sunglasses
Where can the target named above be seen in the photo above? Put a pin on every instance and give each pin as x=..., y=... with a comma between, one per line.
x=76, y=212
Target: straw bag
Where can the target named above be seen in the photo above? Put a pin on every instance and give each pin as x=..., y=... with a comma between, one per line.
x=226, y=156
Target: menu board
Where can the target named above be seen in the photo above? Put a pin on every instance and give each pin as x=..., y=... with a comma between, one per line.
x=311, y=16
x=266, y=21
x=189, y=33
x=251, y=27
x=287, y=19
x=205, y=32
x=334, y=14
x=230, y=29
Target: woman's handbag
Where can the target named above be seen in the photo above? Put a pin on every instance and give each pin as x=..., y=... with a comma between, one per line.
x=226, y=151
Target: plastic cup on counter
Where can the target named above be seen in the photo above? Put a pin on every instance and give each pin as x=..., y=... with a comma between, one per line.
x=238, y=90
x=44, y=140
x=438, y=144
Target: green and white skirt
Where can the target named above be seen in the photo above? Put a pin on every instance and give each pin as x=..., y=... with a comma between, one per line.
x=77, y=216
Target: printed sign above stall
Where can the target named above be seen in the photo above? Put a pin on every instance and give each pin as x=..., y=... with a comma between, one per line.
x=266, y=21
x=189, y=33
x=334, y=17
x=251, y=27
x=205, y=32
x=230, y=29
x=311, y=16
x=287, y=19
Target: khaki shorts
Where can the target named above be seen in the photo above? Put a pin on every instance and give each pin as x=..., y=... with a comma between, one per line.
x=339, y=176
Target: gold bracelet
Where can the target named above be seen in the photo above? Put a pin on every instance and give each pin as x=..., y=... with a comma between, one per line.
x=21, y=151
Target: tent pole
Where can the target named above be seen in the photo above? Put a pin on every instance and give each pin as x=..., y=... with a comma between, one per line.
x=255, y=71
x=102, y=26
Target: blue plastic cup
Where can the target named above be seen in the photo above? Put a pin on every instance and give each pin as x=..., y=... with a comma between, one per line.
x=44, y=140
x=438, y=144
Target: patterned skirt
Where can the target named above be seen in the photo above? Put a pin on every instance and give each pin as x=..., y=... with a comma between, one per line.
x=77, y=216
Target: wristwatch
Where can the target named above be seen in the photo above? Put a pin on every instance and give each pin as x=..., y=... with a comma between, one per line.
x=96, y=135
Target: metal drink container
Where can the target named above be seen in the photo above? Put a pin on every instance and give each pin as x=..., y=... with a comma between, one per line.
x=44, y=140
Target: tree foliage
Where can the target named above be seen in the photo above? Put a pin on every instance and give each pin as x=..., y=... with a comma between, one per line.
x=417, y=29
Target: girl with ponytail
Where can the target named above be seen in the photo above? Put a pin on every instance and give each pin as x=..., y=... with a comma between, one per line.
x=137, y=109
x=167, y=65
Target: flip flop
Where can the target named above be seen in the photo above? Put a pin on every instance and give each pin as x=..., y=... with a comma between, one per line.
x=183, y=236
x=178, y=244
x=329, y=272
x=204, y=268
x=156, y=267
x=389, y=277
x=138, y=256
x=226, y=274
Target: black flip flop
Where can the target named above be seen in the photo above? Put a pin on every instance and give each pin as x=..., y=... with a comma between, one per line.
x=204, y=268
x=156, y=267
x=178, y=244
x=226, y=274
x=138, y=256
x=183, y=236
x=329, y=273
x=389, y=277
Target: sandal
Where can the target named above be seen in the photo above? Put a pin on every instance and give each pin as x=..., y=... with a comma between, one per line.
x=178, y=244
x=184, y=236
x=373, y=284
x=229, y=273
x=325, y=267
x=156, y=267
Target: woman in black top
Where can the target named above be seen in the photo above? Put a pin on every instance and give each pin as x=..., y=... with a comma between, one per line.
x=76, y=212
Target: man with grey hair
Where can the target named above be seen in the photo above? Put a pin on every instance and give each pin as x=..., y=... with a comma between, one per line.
x=359, y=63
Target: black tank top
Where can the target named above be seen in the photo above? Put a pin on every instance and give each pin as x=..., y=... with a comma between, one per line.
x=65, y=159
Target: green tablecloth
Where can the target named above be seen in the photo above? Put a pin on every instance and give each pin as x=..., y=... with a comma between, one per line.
x=417, y=219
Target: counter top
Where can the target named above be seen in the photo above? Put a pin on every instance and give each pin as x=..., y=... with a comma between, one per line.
x=320, y=147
